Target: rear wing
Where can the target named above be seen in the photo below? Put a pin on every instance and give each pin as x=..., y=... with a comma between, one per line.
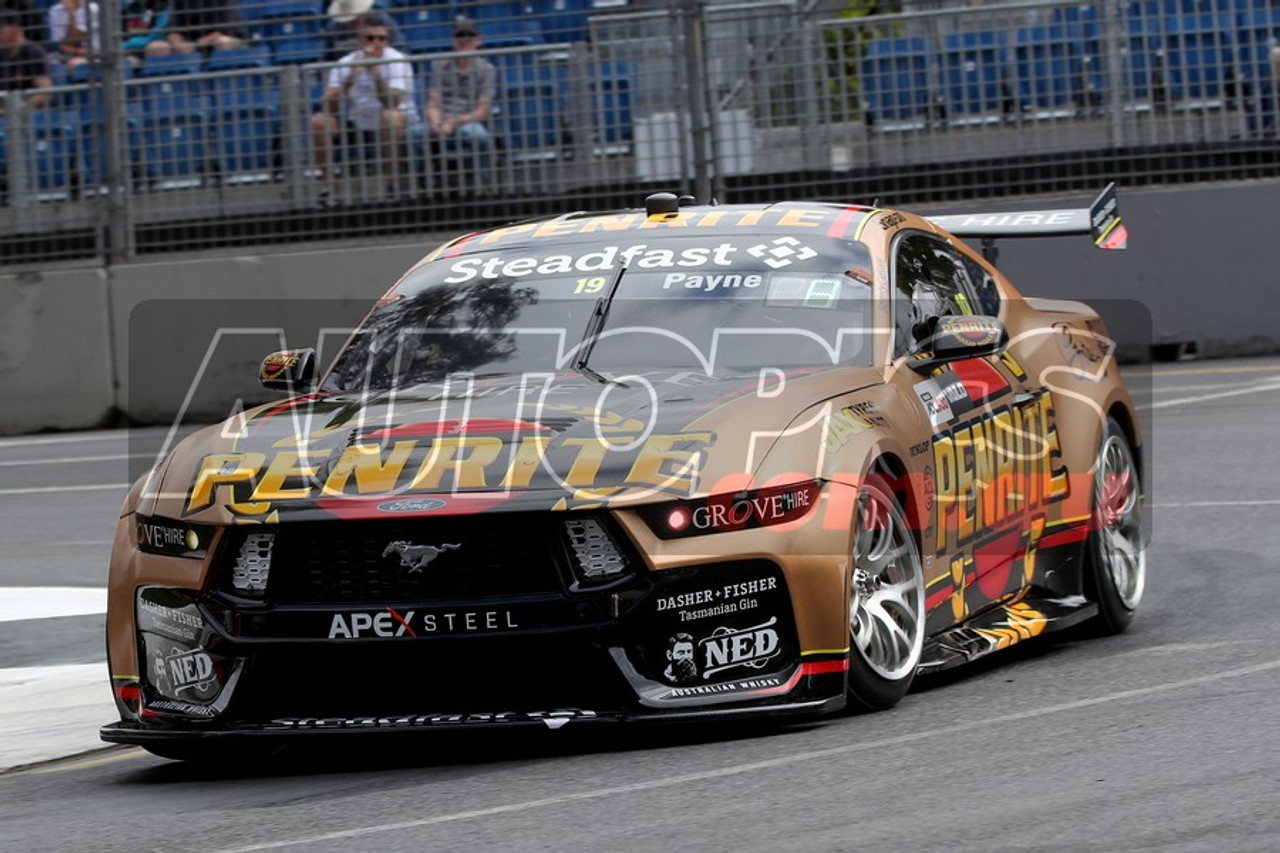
x=1101, y=221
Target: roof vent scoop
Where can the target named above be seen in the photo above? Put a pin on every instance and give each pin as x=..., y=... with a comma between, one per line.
x=659, y=203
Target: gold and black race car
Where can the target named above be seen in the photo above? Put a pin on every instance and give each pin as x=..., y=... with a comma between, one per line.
x=690, y=462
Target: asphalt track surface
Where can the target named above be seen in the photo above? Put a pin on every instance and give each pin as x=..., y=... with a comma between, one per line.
x=1163, y=738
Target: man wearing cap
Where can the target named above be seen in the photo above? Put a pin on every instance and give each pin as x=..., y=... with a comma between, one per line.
x=460, y=97
x=23, y=65
x=376, y=100
x=342, y=31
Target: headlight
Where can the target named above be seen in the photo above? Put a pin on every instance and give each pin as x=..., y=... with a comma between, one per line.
x=737, y=511
x=173, y=538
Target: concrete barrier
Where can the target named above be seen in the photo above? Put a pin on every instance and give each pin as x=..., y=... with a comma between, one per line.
x=194, y=331
x=137, y=341
x=56, y=369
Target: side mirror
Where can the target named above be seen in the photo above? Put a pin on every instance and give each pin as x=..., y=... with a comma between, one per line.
x=957, y=338
x=288, y=370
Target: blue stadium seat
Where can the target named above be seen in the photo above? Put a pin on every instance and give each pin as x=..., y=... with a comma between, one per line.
x=291, y=21
x=237, y=90
x=299, y=51
x=562, y=20
x=1043, y=67
x=530, y=119
x=973, y=73
x=1259, y=32
x=166, y=85
x=1087, y=58
x=1198, y=55
x=53, y=153
x=895, y=76
x=173, y=143
x=246, y=114
x=1142, y=59
x=505, y=24
x=611, y=102
x=54, y=148
x=86, y=103
x=428, y=29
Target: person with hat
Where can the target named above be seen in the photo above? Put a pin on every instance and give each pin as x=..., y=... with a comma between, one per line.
x=342, y=30
x=460, y=99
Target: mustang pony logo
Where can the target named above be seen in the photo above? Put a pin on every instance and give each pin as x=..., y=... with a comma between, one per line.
x=417, y=557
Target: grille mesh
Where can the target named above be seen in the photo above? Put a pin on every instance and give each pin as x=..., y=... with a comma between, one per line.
x=352, y=561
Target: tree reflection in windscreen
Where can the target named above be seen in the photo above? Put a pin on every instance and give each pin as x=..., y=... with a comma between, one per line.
x=431, y=334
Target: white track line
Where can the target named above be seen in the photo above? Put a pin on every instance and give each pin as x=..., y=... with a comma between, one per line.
x=66, y=460
x=40, y=490
x=18, y=603
x=1259, y=387
x=1198, y=504
x=755, y=766
x=104, y=435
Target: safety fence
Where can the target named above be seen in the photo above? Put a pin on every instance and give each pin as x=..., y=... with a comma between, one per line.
x=598, y=103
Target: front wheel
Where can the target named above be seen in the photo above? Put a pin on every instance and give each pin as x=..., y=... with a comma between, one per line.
x=1116, y=560
x=886, y=601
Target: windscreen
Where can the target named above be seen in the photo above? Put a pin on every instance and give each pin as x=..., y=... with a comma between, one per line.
x=707, y=306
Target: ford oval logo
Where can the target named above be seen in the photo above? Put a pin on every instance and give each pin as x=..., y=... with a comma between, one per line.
x=411, y=505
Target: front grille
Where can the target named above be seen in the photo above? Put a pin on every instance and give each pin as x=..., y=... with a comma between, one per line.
x=349, y=562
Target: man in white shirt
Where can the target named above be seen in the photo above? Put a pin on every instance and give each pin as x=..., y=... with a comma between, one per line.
x=376, y=101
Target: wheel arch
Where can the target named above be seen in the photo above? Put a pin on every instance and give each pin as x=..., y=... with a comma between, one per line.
x=906, y=490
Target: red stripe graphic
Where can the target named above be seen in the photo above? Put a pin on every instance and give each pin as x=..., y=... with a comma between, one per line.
x=843, y=220
x=1070, y=536
x=824, y=667
x=484, y=426
x=456, y=249
x=938, y=597
x=980, y=379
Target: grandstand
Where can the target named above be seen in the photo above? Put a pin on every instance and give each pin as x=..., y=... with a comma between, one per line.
x=603, y=101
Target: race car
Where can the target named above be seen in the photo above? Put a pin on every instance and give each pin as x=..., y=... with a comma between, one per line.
x=691, y=462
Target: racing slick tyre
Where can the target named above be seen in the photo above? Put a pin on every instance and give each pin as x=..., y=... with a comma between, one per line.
x=886, y=601
x=1115, y=555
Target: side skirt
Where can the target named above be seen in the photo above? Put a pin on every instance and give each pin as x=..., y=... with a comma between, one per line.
x=1002, y=626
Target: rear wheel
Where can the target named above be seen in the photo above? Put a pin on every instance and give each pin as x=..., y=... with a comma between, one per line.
x=1115, y=552
x=886, y=601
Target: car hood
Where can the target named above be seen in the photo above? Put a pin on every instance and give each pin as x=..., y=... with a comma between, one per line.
x=509, y=442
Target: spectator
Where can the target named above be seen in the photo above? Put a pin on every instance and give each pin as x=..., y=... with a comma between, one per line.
x=74, y=31
x=32, y=20
x=341, y=32
x=373, y=100
x=143, y=22
x=460, y=99
x=23, y=65
x=200, y=25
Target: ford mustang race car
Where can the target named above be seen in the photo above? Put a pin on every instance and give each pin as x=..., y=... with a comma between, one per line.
x=683, y=463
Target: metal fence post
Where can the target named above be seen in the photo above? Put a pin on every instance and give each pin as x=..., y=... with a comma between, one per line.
x=814, y=132
x=693, y=16
x=1113, y=29
x=294, y=129
x=22, y=153
x=118, y=227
